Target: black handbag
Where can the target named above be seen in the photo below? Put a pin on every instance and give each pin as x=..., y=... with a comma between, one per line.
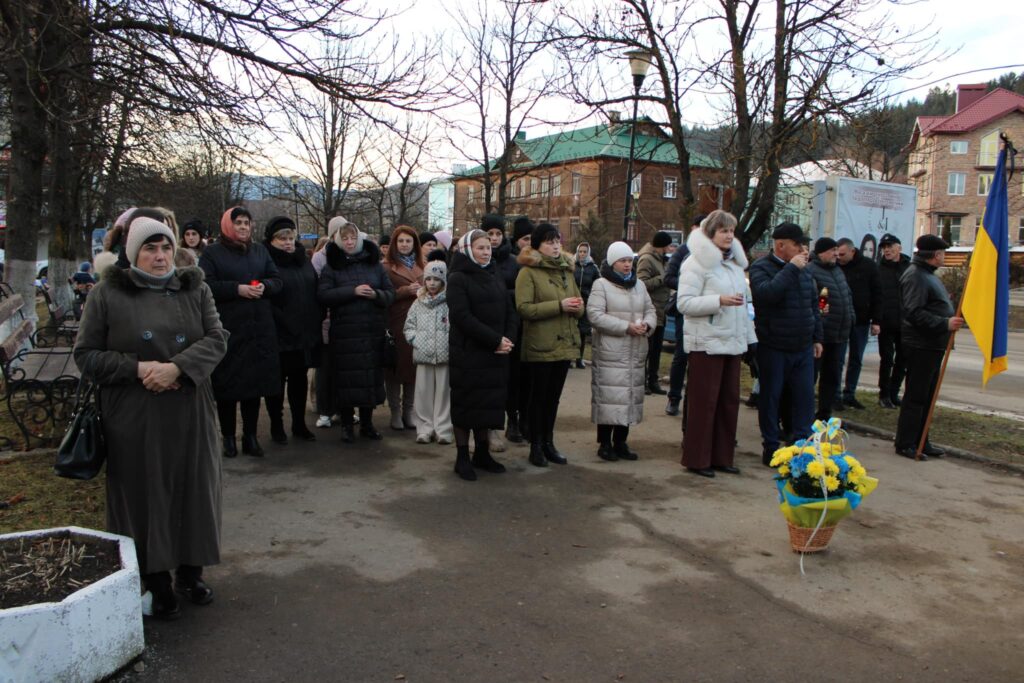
x=83, y=449
x=389, y=353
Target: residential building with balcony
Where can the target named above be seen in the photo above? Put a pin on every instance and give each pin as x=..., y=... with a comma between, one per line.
x=952, y=160
x=576, y=180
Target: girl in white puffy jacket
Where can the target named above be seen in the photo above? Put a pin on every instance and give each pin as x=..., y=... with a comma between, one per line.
x=712, y=297
x=426, y=328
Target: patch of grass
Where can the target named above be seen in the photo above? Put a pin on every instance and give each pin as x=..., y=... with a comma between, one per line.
x=49, y=500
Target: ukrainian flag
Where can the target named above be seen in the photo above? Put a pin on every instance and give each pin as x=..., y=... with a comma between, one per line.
x=986, y=298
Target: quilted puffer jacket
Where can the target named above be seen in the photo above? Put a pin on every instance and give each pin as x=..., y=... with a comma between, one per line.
x=426, y=328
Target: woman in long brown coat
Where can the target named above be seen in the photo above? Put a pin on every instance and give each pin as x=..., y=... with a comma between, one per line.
x=404, y=266
x=150, y=338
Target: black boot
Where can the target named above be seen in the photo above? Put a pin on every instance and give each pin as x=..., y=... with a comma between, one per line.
x=605, y=452
x=250, y=446
x=512, y=432
x=463, y=467
x=368, y=431
x=537, y=458
x=482, y=459
x=230, y=447
x=189, y=582
x=277, y=434
x=300, y=431
x=348, y=434
x=550, y=452
x=623, y=452
x=165, y=603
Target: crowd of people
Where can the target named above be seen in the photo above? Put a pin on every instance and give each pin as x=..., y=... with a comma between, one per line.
x=471, y=338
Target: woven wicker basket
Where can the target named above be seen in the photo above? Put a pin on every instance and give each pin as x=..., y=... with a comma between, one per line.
x=800, y=536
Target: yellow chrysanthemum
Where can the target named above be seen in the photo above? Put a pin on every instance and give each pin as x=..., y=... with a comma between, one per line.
x=784, y=470
x=815, y=469
x=831, y=467
x=831, y=483
x=853, y=462
x=852, y=478
x=783, y=455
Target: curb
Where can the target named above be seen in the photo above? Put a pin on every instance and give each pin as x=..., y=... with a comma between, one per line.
x=951, y=450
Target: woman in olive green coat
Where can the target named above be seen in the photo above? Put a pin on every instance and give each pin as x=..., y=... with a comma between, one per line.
x=549, y=302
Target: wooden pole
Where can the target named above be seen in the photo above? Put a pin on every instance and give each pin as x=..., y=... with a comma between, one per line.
x=942, y=371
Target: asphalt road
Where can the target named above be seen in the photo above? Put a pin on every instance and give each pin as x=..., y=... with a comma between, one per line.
x=374, y=562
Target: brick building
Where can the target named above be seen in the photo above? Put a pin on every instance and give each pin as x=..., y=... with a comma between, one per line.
x=576, y=180
x=952, y=159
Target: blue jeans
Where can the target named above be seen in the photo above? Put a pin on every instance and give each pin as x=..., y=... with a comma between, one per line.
x=677, y=373
x=858, y=341
x=794, y=370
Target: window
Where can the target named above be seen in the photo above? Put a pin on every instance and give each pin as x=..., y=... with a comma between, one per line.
x=949, y=229
x=956, y=184
x=520, y=187
x=1020, y=230
x=668, y=226
x=631, y=231
x=471, y=194
x=669, y=189
x=577, y=183
x=574, y=227
x=984, y=183
x=533, y=187
x=989, y=149
x=958, y=147
x=791, y=199
x=494, y=192
x=556, y=185
x=634, y=188
x=545, y=185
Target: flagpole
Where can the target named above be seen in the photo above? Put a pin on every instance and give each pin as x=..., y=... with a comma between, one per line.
x=942, y=371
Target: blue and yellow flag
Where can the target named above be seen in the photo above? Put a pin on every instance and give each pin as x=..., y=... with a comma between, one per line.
x=986, y=298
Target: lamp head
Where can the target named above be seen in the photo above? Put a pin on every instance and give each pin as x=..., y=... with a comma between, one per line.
x=639, y=63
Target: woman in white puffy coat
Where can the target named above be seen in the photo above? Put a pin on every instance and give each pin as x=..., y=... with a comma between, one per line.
x=622, y=317
x=717, y=330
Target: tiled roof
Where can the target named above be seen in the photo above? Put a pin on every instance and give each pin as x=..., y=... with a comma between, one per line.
x=992, y=106
x=599, y=141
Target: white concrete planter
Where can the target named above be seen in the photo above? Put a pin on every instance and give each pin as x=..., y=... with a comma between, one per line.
x=88, y=635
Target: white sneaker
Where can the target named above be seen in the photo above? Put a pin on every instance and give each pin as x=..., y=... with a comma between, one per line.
x=423, y=438
x=323, y=421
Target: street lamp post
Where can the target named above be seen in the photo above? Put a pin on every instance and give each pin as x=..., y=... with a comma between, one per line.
x=295, y=200
x=639, y=63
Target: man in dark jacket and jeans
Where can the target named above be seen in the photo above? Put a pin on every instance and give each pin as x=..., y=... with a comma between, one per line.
x=789, y=334
x=862, y=276
x=928, y=319
x=893, y=366
x=677, y=373
x=836, y=323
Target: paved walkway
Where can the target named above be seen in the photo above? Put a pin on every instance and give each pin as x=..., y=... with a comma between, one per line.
x=375, y=563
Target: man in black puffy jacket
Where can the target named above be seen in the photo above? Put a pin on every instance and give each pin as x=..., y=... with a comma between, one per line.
x=862, y=276
x=928, y=319
x=893, y=366
x=677, y=373
x=836, y=323
x=789, y=334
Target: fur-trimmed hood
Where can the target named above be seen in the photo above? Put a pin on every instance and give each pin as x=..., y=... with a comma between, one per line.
x=532, y=258
x=708, y=255
x=185, y=279
x=338, y=259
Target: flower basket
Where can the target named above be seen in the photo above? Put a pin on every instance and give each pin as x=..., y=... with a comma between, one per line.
x=819, y=483
x=805, y=540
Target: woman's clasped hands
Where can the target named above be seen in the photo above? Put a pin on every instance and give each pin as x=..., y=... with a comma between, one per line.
x=159, y=377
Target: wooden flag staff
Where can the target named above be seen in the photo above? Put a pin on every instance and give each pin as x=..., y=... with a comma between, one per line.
x=942, y=371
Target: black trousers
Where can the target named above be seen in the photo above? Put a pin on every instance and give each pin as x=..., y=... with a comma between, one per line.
x=830, y=373
x=325, y=385
x=226, y=411
x=923, y=367
x=893, y=366
x=608, y=434
x=654, y=354
x=546, y=383
x=294, y=378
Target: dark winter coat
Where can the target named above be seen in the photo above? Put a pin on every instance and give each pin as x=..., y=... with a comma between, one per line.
x=358, y=325
x=926, y=308
x=163, y=455
x=889, y=274
x=785, y=300
x=866, y=288
x=479, y=314
x=402, y=278
x=585, y=275
x=297, y=314
x=650, y=268
x=675, y=262
x=838, y=322
x=251, y=367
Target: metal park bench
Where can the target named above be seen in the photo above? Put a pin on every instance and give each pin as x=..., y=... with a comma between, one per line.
x=39, y=382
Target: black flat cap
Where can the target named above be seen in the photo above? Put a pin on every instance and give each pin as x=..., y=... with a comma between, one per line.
x=788, y=231
x=931, y=243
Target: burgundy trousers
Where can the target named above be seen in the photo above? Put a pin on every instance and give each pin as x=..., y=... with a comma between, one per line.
x=713, y=403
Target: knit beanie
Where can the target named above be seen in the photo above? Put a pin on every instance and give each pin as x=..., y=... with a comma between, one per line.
x=427, y=237
x=444, y=238
x=436, y=269
x=521, y=227
x=275, y=225
x=823, y=244
x=618, y=250
x=492, y=221
x=542, y=233
x=661, y=239
x=141, y=230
